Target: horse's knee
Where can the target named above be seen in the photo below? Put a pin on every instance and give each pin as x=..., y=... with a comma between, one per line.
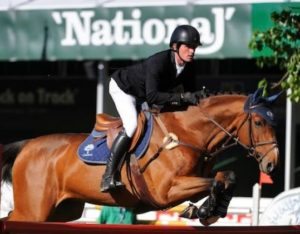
x=224, y=193
x=228, y=178
x=224, y=185
x=221, y=175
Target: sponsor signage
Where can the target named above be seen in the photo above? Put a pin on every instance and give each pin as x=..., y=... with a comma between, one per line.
x=126, y=32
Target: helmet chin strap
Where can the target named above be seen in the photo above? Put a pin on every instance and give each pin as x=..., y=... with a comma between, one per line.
x=177, y=52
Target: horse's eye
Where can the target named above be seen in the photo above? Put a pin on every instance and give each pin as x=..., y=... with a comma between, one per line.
x=258, y=123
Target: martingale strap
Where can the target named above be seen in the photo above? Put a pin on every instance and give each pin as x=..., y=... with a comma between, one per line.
x=143, y=192
x=169, y=142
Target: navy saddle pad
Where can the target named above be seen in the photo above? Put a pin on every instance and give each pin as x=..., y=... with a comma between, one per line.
x=94, y=149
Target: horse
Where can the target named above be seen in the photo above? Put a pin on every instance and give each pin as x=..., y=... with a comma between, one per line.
x=50, y=183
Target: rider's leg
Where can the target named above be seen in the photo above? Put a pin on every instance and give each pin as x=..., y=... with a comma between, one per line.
x=118, y=149
x=126, y=106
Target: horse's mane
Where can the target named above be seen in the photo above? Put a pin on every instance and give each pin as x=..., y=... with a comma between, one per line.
x=220, y=93
x=207, y=95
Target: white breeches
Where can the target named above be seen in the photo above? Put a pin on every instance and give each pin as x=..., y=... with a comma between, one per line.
x=126, y=107
x=7, y=199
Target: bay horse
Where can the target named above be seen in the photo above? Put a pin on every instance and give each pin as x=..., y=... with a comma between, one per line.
x=50, y=182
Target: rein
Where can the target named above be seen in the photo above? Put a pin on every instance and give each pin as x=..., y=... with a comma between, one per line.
x=250, y=149
x=226, y=145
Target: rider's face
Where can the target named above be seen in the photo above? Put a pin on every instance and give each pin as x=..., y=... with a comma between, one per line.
x=186, y=53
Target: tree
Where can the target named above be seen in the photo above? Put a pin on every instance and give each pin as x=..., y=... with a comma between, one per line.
x=280, y=46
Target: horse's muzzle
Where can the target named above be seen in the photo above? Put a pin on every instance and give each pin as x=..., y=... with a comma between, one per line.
x=270, y=168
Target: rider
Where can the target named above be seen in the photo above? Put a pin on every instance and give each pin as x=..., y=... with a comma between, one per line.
x=154, y=81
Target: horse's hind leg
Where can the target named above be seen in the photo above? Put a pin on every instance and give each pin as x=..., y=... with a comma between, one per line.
x=30, y=208
x=217, y=203
x=34, y=195
x=27, y=213
x=31, y=204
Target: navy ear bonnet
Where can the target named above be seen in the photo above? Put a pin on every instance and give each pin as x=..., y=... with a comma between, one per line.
x=261, y=105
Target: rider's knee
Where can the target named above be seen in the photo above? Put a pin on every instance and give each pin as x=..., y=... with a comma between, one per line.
x=130, y=128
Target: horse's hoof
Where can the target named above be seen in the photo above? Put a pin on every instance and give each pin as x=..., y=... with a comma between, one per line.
x=209, y=221
x=206, y=209
x=189, y=212
x=203, y=212
x=221, y=211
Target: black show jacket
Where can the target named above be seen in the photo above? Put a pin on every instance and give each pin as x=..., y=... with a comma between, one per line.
x=154, y=79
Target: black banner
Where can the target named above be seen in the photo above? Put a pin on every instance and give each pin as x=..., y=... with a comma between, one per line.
x=40, y=106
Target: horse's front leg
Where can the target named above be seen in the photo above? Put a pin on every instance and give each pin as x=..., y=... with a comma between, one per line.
x=220, y=191
x=189, y=188
x=216, y=205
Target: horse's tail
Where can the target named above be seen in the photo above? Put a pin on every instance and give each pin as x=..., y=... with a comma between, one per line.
x=8, y=157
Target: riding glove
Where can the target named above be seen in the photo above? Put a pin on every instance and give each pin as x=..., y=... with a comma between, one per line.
x=189, y=98
x=203, y=93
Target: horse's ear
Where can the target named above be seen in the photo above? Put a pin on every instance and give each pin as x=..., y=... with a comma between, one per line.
x=262, y=105
x=273, y=98
x=257, y=95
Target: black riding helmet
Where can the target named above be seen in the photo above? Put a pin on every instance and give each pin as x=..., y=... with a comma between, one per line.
x=185, y=34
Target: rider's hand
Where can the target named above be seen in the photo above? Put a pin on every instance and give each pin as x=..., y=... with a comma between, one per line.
x=189, y=98
x=203, y=93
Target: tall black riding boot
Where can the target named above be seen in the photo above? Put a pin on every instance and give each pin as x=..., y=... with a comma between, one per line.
x=118, y=149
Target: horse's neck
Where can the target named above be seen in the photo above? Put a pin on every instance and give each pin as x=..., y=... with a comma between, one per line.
x=196, y=126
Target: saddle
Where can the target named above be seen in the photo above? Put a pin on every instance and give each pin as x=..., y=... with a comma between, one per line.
x=113, y=125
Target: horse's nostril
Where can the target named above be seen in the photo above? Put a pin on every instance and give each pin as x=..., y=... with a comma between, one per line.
x=270, y=168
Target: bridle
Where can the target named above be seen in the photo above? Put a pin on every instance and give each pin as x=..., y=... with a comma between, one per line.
x=251, y=149
x=232, y=140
